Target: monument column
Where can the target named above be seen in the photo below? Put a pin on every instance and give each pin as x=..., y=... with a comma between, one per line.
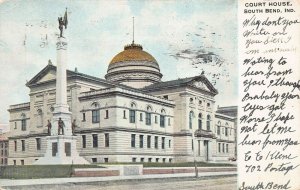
x=61, y=144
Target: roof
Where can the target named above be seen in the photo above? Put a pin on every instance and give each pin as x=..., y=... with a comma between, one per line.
x=231, y=111
x=133, y=52
x=70, y=74
x=181, y=82
x=74, y=74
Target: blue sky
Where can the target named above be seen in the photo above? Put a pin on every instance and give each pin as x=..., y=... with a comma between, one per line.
x=177, y=33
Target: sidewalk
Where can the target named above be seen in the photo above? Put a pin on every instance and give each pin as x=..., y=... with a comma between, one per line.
x=46, y=181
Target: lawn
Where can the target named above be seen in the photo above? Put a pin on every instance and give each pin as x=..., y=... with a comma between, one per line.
x=39, y=171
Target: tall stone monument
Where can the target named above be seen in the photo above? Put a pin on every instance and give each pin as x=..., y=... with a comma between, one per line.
x=61, y=143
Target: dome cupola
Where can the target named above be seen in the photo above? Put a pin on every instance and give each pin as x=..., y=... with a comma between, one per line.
x=133, y=67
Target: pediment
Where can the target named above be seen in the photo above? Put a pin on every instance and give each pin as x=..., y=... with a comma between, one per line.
x=51, y=75
x=201, y=82
x=201, y=85
x=46, y=74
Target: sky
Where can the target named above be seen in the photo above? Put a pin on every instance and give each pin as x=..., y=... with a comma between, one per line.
x=186, y=37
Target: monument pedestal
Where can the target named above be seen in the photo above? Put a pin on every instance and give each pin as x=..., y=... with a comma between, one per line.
x=61, y=149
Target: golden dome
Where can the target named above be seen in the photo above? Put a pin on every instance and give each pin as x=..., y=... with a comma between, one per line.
x=133, y=52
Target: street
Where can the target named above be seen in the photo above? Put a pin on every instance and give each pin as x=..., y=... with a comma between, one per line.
x=225, y=183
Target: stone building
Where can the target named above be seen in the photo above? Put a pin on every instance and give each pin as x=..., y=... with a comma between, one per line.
x=3, y=150
x=130, y=116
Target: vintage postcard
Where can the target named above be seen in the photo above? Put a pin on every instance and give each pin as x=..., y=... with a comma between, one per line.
x=149, y=94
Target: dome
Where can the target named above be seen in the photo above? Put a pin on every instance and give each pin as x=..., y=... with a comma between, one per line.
x=133, y=67
x=133, y=52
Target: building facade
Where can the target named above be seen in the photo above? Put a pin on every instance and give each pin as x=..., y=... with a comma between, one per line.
x=130, y=116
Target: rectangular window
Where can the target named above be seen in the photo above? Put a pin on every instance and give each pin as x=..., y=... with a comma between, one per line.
x=148, y=141
x=169, y=121
x=162, y=120
x=157, y=159
x=198, y=147
x=106, y=139
x=106, y=114
x=142, y=159
x=141, y=116
x=226, y=131
x=169, y=143
x=164, y=160
x=149, y=159
x=23, y=145
x=68, y=148
x=54, y=149
x=156, y=141
x=15, y=162
x=155, y=119
x=132, y=140
x=219, y=130
x=83, y=141
x=83, y=116
x=170, y=160
x=105, y=160
x=23, y=124
x=219, y=147
x=141, y=141
x=133, y=159
x=132, y=116
x=95, y=140
x=96, y=116
x=223, y=147
x=163, y=142
x=124, y=114
x=15, y=144
x=94, y=160
x=15, y=125
x=148, y=118
x=226, y=148
x=38, y=143
x=22, y=162
x=192, y=144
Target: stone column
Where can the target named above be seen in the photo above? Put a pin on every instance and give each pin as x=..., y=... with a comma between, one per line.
x=61, y=76
x=61, y=108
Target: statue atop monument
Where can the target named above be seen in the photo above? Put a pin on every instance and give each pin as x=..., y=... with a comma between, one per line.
x=62, y=22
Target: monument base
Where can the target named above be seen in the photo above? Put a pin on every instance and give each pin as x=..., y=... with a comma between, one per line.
x=61, y=149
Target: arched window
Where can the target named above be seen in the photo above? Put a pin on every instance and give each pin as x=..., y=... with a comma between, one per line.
x=208, y=123
x=191, y=116
x=162, y=118
x=148, y=115
x=199, y=121
x=95, y=112
x=39, y=118
x=23, y=122
x=219, y=128
x=132, y=112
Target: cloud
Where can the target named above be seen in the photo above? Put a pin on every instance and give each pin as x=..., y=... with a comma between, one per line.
x=179, y=35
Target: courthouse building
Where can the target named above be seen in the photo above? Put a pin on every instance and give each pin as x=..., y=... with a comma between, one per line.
x=130, y=116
